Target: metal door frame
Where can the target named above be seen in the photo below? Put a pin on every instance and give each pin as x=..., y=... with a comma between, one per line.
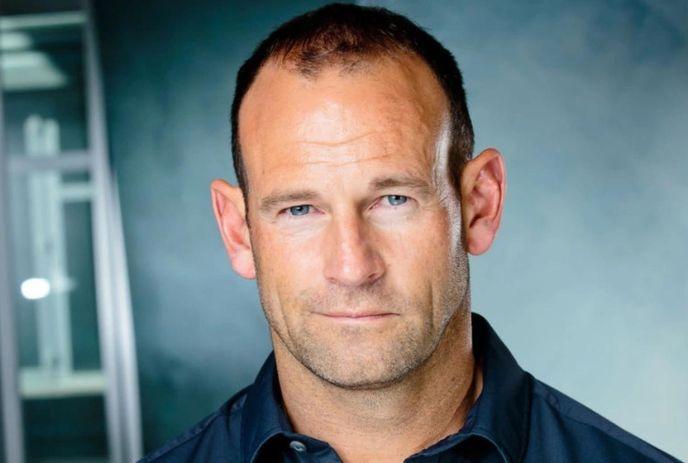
x=13, y=429
x=117, y=344
x=115, y=322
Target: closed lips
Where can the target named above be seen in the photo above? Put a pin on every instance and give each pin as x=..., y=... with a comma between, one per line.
x=357, y=315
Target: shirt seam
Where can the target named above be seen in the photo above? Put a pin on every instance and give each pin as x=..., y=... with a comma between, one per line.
x=547, y=397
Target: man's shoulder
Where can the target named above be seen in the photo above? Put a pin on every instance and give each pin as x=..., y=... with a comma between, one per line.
x=586, y=435
x=214, y=438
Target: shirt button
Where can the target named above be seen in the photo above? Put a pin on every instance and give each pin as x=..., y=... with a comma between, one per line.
x=297, y=446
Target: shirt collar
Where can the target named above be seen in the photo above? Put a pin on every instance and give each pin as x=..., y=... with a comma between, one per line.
x=502, y=412
x=263, y=416
x=500, y=415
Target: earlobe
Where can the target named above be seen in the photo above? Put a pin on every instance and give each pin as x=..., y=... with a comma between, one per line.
x=483, y=189
x=229, y=208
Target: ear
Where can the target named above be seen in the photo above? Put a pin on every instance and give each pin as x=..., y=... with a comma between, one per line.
x=483, y=188
x=229, y=208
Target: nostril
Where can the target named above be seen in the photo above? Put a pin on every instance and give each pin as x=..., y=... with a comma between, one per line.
x=355, y=269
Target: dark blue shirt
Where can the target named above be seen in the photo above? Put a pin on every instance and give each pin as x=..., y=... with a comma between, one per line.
x=515, y=419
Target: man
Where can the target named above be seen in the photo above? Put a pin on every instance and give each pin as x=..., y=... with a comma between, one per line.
x=358, y=202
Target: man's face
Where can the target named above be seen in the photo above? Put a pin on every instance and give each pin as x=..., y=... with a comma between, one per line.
x=354, y=227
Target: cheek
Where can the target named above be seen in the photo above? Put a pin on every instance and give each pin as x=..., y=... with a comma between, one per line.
x=285, y=265
x=420, y=254
x=435, y=236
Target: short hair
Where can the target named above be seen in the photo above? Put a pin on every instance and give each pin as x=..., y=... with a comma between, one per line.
x=343, y=34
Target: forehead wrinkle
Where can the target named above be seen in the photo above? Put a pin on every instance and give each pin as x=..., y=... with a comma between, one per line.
x=334, y=144
x=373, y=145
x=336, y=164
x=390, y=121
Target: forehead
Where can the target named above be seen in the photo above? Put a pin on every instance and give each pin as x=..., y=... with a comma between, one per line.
x=391, y=108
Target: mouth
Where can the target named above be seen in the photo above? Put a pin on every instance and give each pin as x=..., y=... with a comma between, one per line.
x=358, y=317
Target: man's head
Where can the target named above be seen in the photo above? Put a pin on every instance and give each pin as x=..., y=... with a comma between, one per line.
x=351, y=143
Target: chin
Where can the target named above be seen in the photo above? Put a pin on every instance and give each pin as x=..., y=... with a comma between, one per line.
x=359, y=368
x=358, y=377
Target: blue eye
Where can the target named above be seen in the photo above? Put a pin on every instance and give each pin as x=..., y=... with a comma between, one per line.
x=396, y=200
x=301, y=209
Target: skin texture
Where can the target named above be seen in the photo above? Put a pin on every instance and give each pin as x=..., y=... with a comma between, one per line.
x=356, y=241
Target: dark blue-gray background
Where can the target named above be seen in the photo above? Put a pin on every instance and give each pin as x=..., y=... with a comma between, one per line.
x=587, y=282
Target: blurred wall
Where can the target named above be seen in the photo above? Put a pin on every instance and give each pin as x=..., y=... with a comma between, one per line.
x=587, y=282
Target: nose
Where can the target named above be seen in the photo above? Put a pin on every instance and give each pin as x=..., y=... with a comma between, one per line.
x=351, y=257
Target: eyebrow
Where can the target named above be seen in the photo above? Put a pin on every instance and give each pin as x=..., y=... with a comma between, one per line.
x=278, y=198
x=401, y=181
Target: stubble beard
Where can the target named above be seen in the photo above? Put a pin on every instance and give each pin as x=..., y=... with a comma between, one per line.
x=351, y=362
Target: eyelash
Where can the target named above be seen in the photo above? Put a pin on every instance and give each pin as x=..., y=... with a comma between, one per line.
x=289, y=209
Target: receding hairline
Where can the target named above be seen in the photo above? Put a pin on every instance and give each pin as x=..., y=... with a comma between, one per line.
x=424, y=80
x=349, y=37
x=311, y=57
x=434, y=103
x=420, y=84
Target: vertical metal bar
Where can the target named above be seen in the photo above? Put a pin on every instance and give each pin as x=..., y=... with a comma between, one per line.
x=102, y=267
x=114, y=305
x=133, y=444
x=12, y=426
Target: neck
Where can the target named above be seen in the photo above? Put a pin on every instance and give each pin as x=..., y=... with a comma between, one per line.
x=390, y=423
